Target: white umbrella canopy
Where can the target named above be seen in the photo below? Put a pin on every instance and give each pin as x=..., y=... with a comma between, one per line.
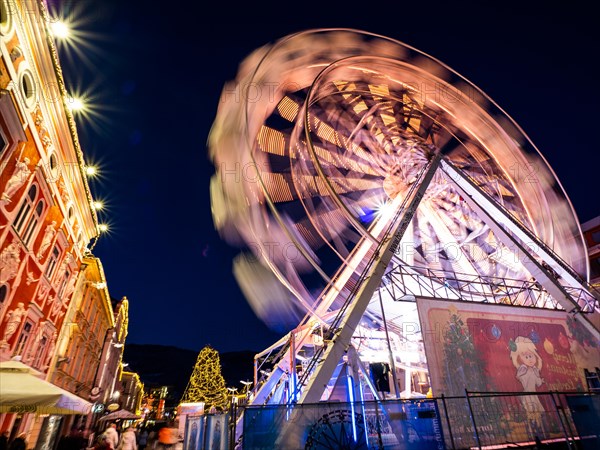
x=21, y=391
x=120, y=414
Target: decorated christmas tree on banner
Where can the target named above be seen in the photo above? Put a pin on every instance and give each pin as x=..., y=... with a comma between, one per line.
x=464, y=368
x=207, y=383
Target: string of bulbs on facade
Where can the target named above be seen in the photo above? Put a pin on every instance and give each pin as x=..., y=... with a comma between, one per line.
x=62, y=32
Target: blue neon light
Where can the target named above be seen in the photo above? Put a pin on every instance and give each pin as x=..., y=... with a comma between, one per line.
x=362, y=404
x=351, y=395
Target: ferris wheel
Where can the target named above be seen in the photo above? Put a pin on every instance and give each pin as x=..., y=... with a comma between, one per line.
x=349, y=164
x=323, y=130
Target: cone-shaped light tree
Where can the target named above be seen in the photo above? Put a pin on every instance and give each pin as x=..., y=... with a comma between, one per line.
x=207, y=383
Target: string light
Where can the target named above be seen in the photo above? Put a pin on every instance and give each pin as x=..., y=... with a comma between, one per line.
x=91, y=171
x=60, y=30
x=66, y=27
x=103, y=229
x=75, y=104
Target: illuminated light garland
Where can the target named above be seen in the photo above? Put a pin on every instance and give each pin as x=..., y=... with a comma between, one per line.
x=68, y=112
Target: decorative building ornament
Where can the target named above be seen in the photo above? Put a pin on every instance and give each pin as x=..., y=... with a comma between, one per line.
x=13, y=320
x=56, y=306
x=43, y=290
x=40, y=331
x=47, y=239
x=63, y=268
x=46, y=140
x=17, y=180
x=39, y=119
x=15, y=53
x=50, y=351
x=10, y=258
x=64, y=193
x=39, y=335
x=31, y=279
x=71, y=286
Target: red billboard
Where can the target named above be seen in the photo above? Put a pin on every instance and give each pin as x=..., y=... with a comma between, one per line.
x=499, y=348
x=505, y=349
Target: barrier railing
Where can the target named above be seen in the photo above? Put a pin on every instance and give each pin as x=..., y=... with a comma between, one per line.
x=477, y=420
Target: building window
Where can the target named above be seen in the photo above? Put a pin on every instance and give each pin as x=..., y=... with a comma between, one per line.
x=52, y=262
x=23, y=338
x=11, y=128
x=39, y=352
x=3, y=295
x=54, y=169
x=25, y=209
x=29, y=217
x=596, y=237
x=63, y=283
x=27, y=86
x=32, y=225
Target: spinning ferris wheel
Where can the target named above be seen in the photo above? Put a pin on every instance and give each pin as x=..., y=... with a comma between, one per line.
x=357, y=171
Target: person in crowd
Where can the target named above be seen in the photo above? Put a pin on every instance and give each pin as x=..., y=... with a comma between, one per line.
x=74, y=441
x=18, y=443
x=112, y=434
x=128, y=440
x=103, y=443
x=152, y=438
x=143, y=439
x=167, y=437
x=4, y=440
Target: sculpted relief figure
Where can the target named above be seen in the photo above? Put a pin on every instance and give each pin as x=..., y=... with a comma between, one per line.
x=13, y=320
x=9, y=262
x=17, y=180
x=47, y=239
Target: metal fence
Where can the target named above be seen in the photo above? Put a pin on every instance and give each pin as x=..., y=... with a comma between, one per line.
x=480, y=420
x=475, y=420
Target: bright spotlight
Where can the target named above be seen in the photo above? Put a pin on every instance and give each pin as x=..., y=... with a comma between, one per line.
x=91, y=171
x=97, y=205
x=60, y=30
x=75, y=104
x=383, y=208
x=103, y=227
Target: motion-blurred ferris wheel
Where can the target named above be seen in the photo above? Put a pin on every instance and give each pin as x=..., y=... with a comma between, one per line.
x=358, y=171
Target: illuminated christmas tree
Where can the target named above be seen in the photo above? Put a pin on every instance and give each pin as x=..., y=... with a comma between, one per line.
x=207, y=383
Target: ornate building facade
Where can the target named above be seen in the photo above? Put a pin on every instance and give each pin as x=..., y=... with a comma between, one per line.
x=132, y=392
x=56, y=315
x=89, y=353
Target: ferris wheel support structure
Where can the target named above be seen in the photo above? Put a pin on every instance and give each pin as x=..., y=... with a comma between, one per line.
x=357, y=305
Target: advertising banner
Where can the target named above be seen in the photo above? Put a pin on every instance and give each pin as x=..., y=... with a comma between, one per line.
x=499, y=348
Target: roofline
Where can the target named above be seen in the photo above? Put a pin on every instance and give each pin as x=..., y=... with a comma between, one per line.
x=592, y=223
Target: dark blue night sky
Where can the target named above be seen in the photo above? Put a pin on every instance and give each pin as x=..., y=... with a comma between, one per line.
x=158, y=68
